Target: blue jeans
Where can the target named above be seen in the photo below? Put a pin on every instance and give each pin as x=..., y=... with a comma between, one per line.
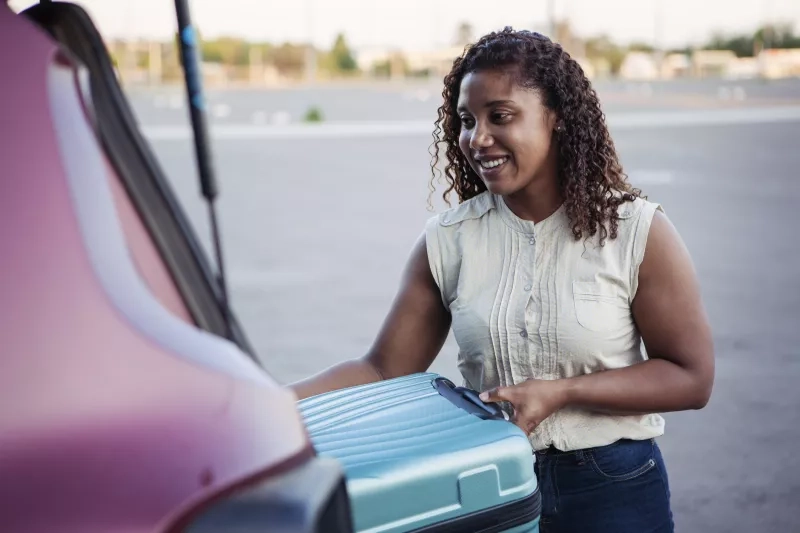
x=619, y=488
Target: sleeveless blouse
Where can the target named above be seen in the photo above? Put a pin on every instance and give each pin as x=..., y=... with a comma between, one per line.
x=528, y=301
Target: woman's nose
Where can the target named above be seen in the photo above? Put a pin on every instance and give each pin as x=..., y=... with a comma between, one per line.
x=481, y=138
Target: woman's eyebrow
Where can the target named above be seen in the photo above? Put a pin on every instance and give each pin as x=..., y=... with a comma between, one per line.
x=463, y=107
x=498, y=102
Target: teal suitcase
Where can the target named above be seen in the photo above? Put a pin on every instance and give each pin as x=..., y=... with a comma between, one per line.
x=422, y=455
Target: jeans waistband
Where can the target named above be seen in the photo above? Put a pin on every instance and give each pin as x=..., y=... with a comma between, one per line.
x=552, y=450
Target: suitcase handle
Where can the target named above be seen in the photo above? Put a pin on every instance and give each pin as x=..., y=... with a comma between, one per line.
x=468, y=400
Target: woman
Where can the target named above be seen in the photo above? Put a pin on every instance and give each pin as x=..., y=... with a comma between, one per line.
x=551, y=271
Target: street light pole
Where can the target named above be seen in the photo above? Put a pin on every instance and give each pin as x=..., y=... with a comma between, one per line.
x=658, y=37
x=311, y=54
x=551, y=18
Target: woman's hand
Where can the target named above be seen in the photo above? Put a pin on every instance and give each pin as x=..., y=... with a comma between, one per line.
x=533, y=400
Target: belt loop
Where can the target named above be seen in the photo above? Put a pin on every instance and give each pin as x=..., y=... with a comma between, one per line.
x=579, y=455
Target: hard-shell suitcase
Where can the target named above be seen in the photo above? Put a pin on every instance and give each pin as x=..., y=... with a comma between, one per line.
x=422, y=455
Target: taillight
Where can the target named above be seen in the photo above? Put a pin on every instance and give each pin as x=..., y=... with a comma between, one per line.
x=311, y=498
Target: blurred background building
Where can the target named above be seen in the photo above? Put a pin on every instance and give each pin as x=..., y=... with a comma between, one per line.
x=769, y=52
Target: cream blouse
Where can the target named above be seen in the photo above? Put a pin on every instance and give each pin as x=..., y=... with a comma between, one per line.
x=529, y=301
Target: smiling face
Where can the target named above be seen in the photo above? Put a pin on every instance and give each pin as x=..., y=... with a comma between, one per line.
x=506, y=133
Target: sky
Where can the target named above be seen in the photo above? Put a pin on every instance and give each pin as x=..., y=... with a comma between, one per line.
x=424, y=24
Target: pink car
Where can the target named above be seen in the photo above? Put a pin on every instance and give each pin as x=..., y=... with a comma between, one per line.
x=130, y=400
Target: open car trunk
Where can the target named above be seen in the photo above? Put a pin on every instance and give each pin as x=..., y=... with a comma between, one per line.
x=188, y=276
x=136, y=408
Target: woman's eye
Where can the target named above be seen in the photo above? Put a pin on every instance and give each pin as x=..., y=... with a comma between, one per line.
x=501, y=117
x=466, y=122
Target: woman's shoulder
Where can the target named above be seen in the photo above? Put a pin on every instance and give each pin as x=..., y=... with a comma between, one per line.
x=632, y=210
x=634, y=218
x=448, y=233
x=473, y=209
x=633, y=221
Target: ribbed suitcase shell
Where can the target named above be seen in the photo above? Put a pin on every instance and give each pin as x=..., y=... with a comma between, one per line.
x=415, y=461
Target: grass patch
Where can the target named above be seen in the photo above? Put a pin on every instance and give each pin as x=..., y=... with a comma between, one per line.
x=314, y=114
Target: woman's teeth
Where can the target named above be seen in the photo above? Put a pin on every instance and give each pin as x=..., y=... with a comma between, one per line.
x=493, y=162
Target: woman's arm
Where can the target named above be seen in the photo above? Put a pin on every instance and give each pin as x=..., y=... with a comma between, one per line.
x=410, y=339
x=669, y=313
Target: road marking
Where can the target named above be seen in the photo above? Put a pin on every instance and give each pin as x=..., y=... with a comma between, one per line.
x=343, y=130
x=221, y=110
x=175, y=101
x=709, y=117
x=736, y=93
x=259, y=117
x=281, y=118
x=420, y=95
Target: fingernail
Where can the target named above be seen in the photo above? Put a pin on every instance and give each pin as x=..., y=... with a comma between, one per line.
x=484, y=396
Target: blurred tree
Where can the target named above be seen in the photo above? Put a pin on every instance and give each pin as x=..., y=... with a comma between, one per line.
x=210, y=52
x=289, y=59
x=769, y=36
x=382, y=69
x=142, y=59
x=341, y=58
x=602, y=47
x=741, y=45
x=778, y=36
x=641, y=47
x=394, y=66
x=227, y=50
x=265, y=50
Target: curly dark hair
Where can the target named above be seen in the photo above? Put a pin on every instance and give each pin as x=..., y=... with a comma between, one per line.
x=590, y=176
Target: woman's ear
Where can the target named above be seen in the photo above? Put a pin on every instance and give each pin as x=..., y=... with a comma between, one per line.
x=553, y=122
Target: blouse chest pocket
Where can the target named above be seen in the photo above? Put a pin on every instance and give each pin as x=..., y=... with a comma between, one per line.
x=599, y=307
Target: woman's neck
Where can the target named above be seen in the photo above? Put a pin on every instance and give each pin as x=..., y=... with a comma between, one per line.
x=540, y=199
